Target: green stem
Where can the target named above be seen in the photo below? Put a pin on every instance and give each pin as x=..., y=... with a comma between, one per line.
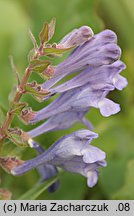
x=20, y=91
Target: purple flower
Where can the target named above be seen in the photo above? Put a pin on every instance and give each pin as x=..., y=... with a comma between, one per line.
x=61, y=121
x=88, y=90
x=46, y=171
x=97, y=51
x=76, y=37
x=96, y=77
x=72, y=153
x=99, y=68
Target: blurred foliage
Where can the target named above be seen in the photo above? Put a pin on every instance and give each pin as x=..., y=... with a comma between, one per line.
x=116, y=132
x=127, y=190
x=38, y=189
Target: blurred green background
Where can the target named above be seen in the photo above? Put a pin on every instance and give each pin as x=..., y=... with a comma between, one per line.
x=116, y=132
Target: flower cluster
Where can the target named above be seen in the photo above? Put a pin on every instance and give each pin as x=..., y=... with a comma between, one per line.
x=99, y=58
x=96, y=66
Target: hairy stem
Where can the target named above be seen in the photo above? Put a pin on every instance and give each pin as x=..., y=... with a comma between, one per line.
x=20, y=91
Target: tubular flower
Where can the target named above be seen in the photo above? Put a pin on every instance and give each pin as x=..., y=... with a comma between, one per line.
x=61, y=121
x=101, y=49
x=46, y=171
x=72, y=153
x=92, y=93
x=96, y=77
x=76, y=37
x=97, y=61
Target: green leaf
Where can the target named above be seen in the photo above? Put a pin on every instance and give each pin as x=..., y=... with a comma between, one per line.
x=18, y=137
x=39, y=65
x=56, y=51
x=31, y=55
x=14, y=69
x=47, y=31
x=36, y=91
x=37, y=190
x=18, y=107
x=12, y=94
x=33, y=40
x=43, y=36
x=51, y=26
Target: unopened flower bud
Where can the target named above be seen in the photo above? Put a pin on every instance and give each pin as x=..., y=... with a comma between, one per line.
x=77, y=37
